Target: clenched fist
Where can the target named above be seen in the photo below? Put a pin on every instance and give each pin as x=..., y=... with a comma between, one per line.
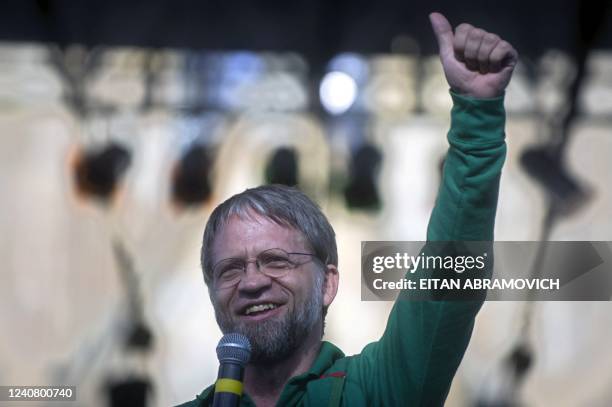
x=476, y=63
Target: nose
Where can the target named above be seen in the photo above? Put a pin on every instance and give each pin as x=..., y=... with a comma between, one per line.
x=253, y=280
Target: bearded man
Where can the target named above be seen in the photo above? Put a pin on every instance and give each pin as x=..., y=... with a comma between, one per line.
x=270, y=262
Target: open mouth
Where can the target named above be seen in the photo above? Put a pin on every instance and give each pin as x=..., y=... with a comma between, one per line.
x=261, y=311
x=258, y=309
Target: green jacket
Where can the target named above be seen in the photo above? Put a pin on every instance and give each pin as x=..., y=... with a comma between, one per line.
x=414, y=362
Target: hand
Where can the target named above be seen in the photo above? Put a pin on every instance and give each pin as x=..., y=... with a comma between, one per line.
x=476, y=63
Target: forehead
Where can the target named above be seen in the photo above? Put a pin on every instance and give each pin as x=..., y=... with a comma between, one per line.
x=248, y=236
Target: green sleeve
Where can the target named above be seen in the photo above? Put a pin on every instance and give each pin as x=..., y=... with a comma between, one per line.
x=414, y=362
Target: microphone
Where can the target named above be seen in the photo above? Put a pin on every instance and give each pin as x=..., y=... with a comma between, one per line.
x=233, y=352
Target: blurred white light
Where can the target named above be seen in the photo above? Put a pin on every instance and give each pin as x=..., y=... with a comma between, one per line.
x=355, y=65
x=338, y=92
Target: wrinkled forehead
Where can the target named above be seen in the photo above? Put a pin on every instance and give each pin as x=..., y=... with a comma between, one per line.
x=249, y=233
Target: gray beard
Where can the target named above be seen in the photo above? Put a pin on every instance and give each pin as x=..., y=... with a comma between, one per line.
x=276, y=339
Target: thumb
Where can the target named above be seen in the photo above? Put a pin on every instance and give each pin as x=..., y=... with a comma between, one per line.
x=443, y=31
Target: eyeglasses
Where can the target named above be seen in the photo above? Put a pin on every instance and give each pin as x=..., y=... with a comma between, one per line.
x=274, y=263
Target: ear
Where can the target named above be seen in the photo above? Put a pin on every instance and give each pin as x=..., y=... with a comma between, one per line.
x=330, y=284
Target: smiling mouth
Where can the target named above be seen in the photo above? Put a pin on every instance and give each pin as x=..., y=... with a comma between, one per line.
x=259, y=308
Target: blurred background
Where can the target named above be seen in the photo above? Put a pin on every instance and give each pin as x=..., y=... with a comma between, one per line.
x=124, y=124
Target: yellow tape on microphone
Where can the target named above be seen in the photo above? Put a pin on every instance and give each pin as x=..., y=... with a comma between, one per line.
x=228, y=386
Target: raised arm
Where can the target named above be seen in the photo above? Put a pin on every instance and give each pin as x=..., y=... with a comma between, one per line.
x=478, y=66
x=415, y=360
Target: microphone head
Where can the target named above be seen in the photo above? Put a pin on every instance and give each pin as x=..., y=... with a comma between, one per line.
x=234, y=348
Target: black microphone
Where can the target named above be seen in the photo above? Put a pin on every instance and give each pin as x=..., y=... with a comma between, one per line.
x=233, y=352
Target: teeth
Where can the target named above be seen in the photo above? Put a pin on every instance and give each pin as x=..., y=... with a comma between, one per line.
x=259, y=308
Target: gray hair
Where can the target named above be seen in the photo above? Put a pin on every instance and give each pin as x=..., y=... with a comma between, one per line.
x=285, y=206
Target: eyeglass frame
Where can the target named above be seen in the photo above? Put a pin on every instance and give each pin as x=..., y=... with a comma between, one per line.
x=247, y=261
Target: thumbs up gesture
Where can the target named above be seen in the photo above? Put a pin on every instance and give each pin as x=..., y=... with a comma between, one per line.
x=476, y=63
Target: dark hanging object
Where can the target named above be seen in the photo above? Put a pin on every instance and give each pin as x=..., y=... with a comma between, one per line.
x=191, y=180
x=97, y=172
x=140, y=337
x=566, y=193
x=282, y=168
x=520, y=361
x=362, y=190
x=129, y=392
